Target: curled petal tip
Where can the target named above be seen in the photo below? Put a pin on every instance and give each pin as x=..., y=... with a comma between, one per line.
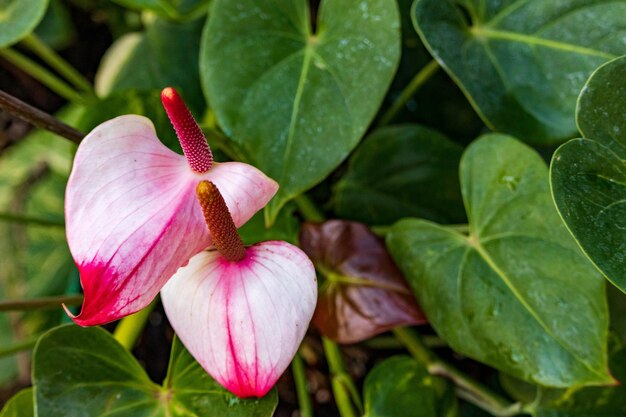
x=243, y=321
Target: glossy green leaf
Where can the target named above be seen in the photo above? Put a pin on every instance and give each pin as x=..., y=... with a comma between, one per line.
x=588, y=176
x=195, y=393
x=18, y=18
x=402, y=171
x=296, y=101
x=164, y=54
x=20, y=405
x=522, y=63
x=592, y=401
x=56, y=28
x=517, y=293
x=84, y=371
x=400, y=386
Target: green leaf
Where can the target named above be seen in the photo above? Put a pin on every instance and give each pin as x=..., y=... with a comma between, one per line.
x=522, y=63
x=297, y=101
x=56, y=29
x=20, y=405
x=84, y=371
x=164, y=54
x=402, y=171
x=592, y=401
x=400, y=386
x=197, y=394
x=588, y=176
x=517, y=293
x=18, y=18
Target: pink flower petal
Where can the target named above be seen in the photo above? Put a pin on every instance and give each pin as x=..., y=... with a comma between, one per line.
x=132, y=216
x=243, y=321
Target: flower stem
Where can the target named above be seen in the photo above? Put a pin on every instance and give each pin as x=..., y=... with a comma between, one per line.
x=299, y=376
x=308, y=208
x=17, y=218
x=38, y=118
x=345, y=392
x=338, y=382
x=420, y=79
x=130, y=327
x=43, y=303
x=55, y=61
x=467, y=388
x=43, y=75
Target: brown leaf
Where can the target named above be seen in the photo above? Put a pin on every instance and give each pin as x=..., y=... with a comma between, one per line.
x=364, y=292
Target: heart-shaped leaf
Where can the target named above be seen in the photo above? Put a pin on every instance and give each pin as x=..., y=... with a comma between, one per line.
x=18, y=18
x=400, y=386
x=20, y=405
x=363, y=293
x=402, y=171
x=84, y=371
x=522, y=63
x=164, y=54
x=517, y=293
x=585, y=402
x=298, y=100
x=588, y=176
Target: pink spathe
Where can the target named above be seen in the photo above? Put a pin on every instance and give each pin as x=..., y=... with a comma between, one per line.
x=243, y=320
x=132, y=217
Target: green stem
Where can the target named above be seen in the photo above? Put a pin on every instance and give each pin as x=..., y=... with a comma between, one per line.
x=467, y=388
x=43, y=75
x=16, y=218
x=299, y=376
x=55, y=61
x=43, y=303
x=419, y=80
x=308, y=208
x=18, y=347
x=340, y=391
x=130, y=327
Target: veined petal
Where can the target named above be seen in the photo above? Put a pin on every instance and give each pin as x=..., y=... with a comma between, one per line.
x=132, y=216
x=243, y=321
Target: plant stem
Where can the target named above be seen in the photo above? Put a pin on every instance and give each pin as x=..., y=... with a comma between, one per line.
x=336, y=368
x=43, y=75
x=467, y=388
x=43, y=303
x=420, y=79
x=18, y=347
x=345, y=392
x=130, y=327
x=308, y=209
x=38, y=118
x=55, y=61
x=299, y=376
x=16, y=218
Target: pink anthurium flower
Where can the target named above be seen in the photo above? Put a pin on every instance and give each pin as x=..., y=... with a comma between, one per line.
x=241, y=312
x=131, y=211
